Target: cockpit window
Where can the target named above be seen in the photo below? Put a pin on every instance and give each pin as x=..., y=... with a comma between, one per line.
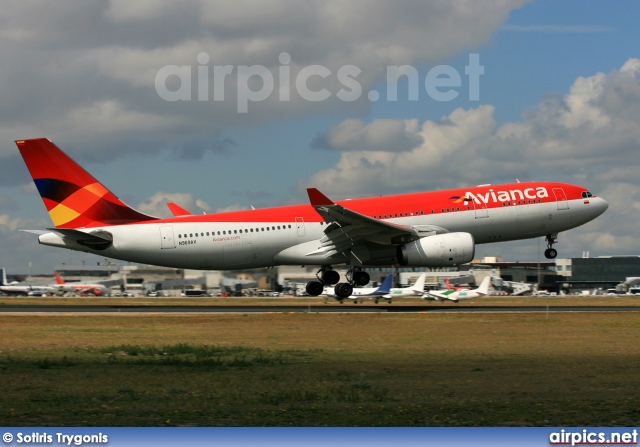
x=586, y=194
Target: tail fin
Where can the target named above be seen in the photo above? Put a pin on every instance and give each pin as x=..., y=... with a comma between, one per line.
x=59, y=280
x=385, y=287
x=71, y=195
x=448, y=285
x=4, y=277
x=484, y=286
x=418, y=286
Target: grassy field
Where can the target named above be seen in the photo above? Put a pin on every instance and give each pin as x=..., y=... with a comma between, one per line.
x=309, y=369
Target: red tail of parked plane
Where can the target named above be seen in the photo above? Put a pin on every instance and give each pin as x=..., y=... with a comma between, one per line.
x=426, y=229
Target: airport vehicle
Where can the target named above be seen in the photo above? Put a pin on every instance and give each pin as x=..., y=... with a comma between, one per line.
x=360, y=293
x=456, y=295
x=23, y=288
x=426, y=229
x=81, y=288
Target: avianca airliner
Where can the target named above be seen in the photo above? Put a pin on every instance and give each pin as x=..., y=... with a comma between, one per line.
x=425, y=229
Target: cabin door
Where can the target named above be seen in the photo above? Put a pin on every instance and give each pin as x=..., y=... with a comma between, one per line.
x=166, y=237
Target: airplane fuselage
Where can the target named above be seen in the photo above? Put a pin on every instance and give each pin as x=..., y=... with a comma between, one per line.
x=290, y=235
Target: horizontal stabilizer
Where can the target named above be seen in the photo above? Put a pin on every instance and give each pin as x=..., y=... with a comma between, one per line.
x=98, y=239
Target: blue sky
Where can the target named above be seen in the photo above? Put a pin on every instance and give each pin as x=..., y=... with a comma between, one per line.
x=558, y=100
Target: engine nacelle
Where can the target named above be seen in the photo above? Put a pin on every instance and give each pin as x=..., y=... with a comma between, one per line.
x=440, y=250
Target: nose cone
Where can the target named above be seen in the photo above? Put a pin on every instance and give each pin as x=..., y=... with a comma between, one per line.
x=601, y=205
x=598, y=206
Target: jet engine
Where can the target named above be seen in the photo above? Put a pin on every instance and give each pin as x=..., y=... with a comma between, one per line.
x=440, y=250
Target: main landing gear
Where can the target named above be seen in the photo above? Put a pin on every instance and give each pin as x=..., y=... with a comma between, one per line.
x=550, y=252
x=355, y=276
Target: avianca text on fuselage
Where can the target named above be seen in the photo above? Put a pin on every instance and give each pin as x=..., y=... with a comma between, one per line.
x=513, y=195
x=417, y=229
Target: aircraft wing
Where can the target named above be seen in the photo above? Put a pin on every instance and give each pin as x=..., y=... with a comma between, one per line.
x=349, y=228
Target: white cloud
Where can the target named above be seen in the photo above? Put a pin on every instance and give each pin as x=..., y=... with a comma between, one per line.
x=384, y=135
x=96, y=75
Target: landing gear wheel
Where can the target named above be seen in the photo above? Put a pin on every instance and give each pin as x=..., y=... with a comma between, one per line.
x=361, y=278
x=550, y=253
x=343, y=290
x=314, y=288
x=330, y=277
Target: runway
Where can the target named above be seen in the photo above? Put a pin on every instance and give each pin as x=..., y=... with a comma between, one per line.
x=256, y=309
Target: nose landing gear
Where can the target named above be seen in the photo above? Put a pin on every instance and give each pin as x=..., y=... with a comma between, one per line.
x=550, y=252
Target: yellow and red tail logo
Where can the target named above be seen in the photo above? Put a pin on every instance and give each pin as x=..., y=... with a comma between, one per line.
x=71, y=195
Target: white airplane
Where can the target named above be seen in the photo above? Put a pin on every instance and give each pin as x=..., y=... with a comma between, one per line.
x=24, y=289
x=81, y=288
x=360, y=293
x=426, y=229
x=417, y=289
x=456, y=295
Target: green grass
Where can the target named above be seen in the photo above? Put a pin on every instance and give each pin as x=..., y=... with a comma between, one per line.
x=320, y=370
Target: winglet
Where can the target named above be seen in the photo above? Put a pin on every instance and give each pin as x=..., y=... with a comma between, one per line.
x=317, y=198
x=177, y=210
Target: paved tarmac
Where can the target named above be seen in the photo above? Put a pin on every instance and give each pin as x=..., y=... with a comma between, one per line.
x=344, y=308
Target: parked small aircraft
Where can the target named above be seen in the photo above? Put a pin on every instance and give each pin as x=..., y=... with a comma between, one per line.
x=456, y=295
